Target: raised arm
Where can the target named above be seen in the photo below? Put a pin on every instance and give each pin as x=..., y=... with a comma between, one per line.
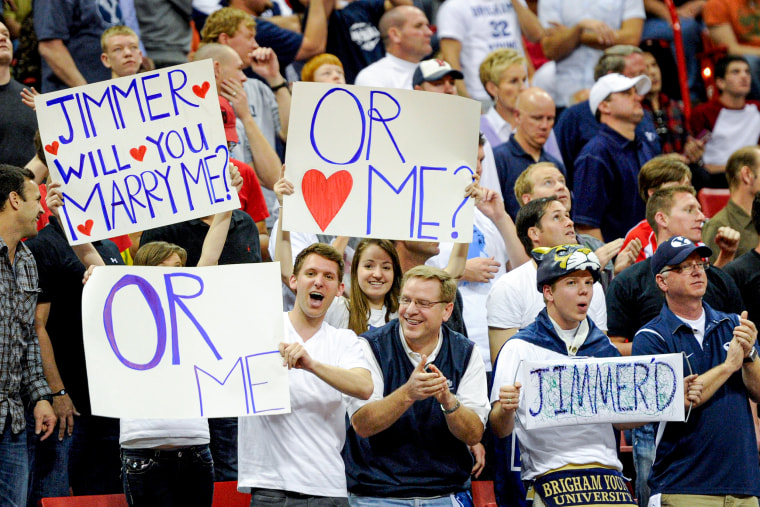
x=56, y=55
x=283, y=251
x=315, y=32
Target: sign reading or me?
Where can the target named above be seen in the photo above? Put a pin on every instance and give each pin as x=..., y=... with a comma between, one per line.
x=584, y=391
x=381, y=163
x=185, y=342
x=137, y=152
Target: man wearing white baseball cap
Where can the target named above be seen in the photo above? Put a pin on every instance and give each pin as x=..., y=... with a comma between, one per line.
x=436, y=76
x=606, y=170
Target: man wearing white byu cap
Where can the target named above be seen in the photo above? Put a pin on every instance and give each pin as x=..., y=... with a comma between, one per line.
x=607, y=204
x=436, y=76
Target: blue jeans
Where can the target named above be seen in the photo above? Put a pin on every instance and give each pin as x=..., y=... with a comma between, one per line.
x=223, y=445
x=443, y=501
x=643, y=458
x=169, y=478
x=14, y=467
x=48, y=463
x=691, y=34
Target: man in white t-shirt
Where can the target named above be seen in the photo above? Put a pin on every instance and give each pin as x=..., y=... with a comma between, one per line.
x=297, y=455
x=561, y=330
x=470, y=29
x=511, y=305
x=406, y=34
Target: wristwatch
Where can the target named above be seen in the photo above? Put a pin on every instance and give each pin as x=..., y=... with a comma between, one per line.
x=751, y=356
x=61, y=392
x=452, y=409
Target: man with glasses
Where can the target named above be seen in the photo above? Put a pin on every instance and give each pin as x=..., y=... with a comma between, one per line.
x=703, y=461
x=409, y=440
x=633, y=298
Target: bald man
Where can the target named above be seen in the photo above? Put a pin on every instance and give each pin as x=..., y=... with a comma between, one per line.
x=534, y=117
x=406, y=34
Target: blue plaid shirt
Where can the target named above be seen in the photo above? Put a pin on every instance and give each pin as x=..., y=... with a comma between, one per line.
x=20, y=359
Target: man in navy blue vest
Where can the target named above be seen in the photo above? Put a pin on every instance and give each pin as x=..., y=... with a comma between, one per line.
x=409, y=440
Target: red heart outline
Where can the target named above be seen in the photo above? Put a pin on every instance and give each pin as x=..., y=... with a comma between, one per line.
x=52, y=148
x=325, y=196
x=202, y=90
x=86, y=229
x=138, y=153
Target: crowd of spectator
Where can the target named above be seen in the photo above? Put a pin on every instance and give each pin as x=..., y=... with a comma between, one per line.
x=586, y=153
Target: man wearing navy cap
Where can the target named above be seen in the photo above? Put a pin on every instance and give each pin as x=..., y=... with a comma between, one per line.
x=704, y=460
x=565, y=276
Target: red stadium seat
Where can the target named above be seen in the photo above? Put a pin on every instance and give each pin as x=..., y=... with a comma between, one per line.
x=227, y=495
x=482, y=494
x=712, y=200
x=85, y=501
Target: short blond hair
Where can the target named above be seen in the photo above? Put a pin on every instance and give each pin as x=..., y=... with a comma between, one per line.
x=116, y=30
x=523, y=185
x=156, y=252
x=225, y=20
x=497, y=62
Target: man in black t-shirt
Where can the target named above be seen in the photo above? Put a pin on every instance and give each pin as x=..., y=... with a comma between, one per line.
x=746, y=270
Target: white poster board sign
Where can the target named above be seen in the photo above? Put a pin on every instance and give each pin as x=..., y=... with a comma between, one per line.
x=185, y=342
x=137, y=152
x=597, y=390
x=382, y=163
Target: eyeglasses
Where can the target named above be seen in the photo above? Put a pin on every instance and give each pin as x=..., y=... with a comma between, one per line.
x=405, y=301
x=694, y=266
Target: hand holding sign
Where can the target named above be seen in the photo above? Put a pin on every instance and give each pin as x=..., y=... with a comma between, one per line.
x=692, y=388
x=509, y=396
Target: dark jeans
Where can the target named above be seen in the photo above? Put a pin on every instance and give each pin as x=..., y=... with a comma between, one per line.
x=168, y=478
x=14, y=467
x=223, y=445
x=643, y=458
x=87, y=461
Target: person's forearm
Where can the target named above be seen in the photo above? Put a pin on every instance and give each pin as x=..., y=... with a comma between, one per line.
x=629, y=34
x=657, y=8
x=355, y=382
x=49, y=367
x=623, y=346
x=751, y=378
x=712, y=380
x=266, y=163
x=450, y=50
x=283, y=251
x=530, y=26
x=560, y=42
x=379, y=415
x=457, y=260
x=283, y=98
x=515, y=250
x=216, y=236
x=315, y=32
x=61, y=63
x=464, y=424
x=724, y=258
x=502, y=420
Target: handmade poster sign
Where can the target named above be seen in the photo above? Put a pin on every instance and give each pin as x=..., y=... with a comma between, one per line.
x=137, y=152
x=584, y=391
x=185, y=342
x=381, y=163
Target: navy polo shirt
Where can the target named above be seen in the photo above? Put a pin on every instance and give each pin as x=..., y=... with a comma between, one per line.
x=511, y=160
x=714, y=452
x=606, y=187
x=576, y=126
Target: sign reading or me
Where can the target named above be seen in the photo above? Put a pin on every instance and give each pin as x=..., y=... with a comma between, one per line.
x=382, y=163
x=185, y=342
x=137, y=152
x=621, y=389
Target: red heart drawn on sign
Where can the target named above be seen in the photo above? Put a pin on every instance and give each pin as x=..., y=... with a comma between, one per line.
x=202, y=90
x=86, y=228
x=325, y=196
x=138, y=153
x=52, y=148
